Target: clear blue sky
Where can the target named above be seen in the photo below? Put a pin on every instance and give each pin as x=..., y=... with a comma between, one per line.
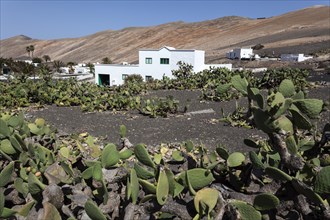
x=50, y=19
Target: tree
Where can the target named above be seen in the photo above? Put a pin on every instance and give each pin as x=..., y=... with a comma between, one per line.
x=46, y=58
x=45, y=73
x=32, y=50
x=70, y=65
x=2, y=64
x=36, y=60
x=106, y=60
x=28, y=50
x=258, y=47
x=91, y=67
x=57, y=64
x=22, y=70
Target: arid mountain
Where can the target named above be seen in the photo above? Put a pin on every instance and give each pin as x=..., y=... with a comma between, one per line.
x=305, y=31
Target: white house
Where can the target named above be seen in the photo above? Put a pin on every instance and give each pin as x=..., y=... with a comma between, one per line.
x=240, y=53
x=77, y=69
x=153, y=63
x=295, y=57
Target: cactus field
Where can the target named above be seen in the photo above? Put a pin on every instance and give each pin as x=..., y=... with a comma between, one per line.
x=211, y=145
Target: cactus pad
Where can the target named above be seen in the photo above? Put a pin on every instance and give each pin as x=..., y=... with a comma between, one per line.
x=265, y=201
x=251, y=143
x=256, y=162
x=287, y=88
x=123, y=131
x=142, y=172
x=254, y=94
x=4, y=129
x=143, y=156
x=93, y=211
x=246, y=211
x=283, y=123
x=162, y=189
x=198, y=178
x=302, y=188
x=322, y=181
x=240, y=84
x=149, y=187
x=110, y=156
x=235, y=159
x=134, y=186
x=206, y=197
x=223, y=88
x=299, y=120
x=7, y=147
x=311, y=107
x=277, y=174
x=291, y=144
x=6, y=174
x=222, y=152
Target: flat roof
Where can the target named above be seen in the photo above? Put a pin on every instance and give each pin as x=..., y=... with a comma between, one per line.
x=128, y=65
x=168, y=48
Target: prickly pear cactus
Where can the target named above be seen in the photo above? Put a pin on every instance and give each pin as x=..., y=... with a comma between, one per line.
x=223, y=88
x=265, y=201
x=235, y=159
x=311, y=107
x=246, y=211
x=205, y=200
x=199, y=178
x=255, y=160
x=322, y=181
x=110, y=156
x=277, y=174
x=162, y=190
x=287, y=88
x=240, y=84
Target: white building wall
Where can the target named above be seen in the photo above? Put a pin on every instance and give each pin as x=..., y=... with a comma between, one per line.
x=302, y=57
x=156, y=70
x=81, y=70
x=240, y=53
x=184, y=56
x=115, y=71
x=295, y=57
x=246, y=53
x=199, y=61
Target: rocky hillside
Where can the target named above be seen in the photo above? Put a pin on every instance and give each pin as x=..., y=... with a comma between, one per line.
x=304, y=31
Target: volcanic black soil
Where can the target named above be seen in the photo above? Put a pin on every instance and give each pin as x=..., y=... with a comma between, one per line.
x=201, y=128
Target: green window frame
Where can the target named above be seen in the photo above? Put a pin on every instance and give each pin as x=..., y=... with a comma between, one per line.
x=123, y=77
x=148, y=60
x=164, y=61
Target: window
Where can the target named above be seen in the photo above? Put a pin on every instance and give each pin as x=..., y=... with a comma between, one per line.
x=148, y=78
x=148, y=60
x=164, y=61
x=124, y=76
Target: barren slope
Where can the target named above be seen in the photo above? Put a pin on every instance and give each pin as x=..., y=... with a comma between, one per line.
x=306, y=31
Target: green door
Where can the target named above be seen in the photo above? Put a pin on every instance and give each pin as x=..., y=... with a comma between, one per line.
x=104, y=79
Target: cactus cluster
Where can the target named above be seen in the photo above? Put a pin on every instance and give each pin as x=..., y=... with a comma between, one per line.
x=72, y=177
x=47, y=176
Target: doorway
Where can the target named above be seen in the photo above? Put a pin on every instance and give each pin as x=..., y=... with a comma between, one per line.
x=104, y=80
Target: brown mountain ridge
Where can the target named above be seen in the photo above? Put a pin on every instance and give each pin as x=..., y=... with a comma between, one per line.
x=303, y=31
